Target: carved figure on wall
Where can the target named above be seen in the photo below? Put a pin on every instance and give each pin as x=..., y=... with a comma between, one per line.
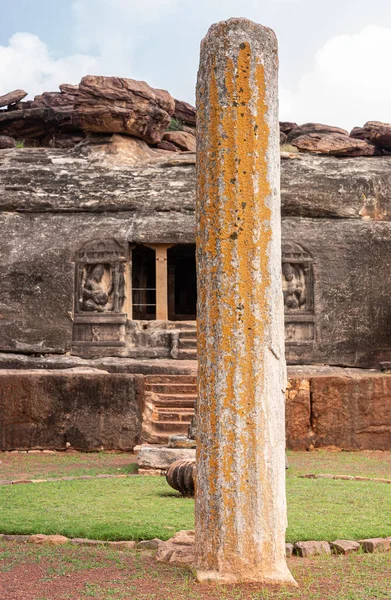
x=293, y=286
x=96, y=293
x=298, y=290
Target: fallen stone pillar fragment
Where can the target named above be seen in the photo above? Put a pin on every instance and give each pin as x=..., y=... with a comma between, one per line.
x=240, y=485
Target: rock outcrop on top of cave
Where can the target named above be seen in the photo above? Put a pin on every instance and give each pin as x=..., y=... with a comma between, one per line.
x=100, y=107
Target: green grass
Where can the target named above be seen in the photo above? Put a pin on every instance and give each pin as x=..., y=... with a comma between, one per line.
x=146, y=507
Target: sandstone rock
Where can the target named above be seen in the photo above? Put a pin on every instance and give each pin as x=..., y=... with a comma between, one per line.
x=169, y=146
x=374, y=132
x=35, y=125
x=12, y=97
x=49, y=409
x=119, y=150
x=185, y=141
x=298, y=414
x=15, y=538
x=185, y=112
x=178, y=550
x=153, y=544
x=122, y=545
x=283, y=137
x=160, y=457
x=352, y=411
x=288, y=550
x=311, y=548
x=118, y=105
x=344, y=546
x=6, y=142
x=317, y=128
x=375, y=545
x=335, y=144
x=49, y=540
x=287, y=126
x=87, y=542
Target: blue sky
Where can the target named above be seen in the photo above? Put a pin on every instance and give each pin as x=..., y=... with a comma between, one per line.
x=334, y=54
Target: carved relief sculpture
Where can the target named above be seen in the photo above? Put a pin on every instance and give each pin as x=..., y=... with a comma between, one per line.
x=99, y=294
x=298, y=290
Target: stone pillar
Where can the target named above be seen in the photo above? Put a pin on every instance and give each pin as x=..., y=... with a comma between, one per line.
x=161, y=283
x=240, y=500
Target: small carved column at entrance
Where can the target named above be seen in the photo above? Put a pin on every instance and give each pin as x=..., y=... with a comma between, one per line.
x=240, y=489
x=161, y=283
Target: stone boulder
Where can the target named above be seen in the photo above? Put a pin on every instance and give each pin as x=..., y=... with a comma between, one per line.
x=283, y=137
x=286, y=126
x=12, y=97
x=118, y=105
x=309, y=128
x=335, y=144
x=185, y=112
x=182, y=139
x=169, y=146
x=374, y=132
x=179, y=550
x=6, y=142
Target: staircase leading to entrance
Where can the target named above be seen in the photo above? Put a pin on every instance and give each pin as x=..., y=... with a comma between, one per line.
x=169, y=406
x=184, y=344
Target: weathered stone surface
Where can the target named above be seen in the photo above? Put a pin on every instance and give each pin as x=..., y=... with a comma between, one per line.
x=344, y=546
x=153, y=544
x=169, y=146
x=179, y=550
x=118, y=105
x=353, y=411
x=311, y=548
x=283, y=137
x=36, y=125
x=241, y=376
x=288, y=550
x=12, y=97
x=160, y=457
x=6, y=142
x=15, y=538
x=122, y=545
x=374, y=132
x=185, y=141
x=298, y=414
x=287, y=126
x=335, y=144
x=185, y=112
x=49, y=540
x=309, y=128
x=375, y=545
x=55, y=409
x=87, y=542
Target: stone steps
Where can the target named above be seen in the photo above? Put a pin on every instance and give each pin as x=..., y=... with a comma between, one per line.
x=170, y=379
x=176, y=400
x=171, y=388
x=173, y=398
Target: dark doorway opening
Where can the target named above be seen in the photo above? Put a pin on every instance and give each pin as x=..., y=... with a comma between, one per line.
x=182, y=283
x=143, y=283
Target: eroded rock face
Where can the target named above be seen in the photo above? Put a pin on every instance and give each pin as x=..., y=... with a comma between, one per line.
x=12, y=97
x=88, y=410
x=185, y=112
x=374, y=132
x=336, y=144
x=6, y=142
x=308, y=128
x=183, y=140
x=118, y=105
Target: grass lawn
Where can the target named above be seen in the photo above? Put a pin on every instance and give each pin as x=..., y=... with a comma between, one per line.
x=30, y=572
x=146, y=507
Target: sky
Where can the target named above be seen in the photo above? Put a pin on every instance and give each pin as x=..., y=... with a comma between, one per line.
x=334, y=54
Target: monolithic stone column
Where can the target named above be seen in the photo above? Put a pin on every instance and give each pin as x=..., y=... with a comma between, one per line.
x=240, y=498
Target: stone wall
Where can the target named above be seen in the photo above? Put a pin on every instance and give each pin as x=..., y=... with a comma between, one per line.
x=91, y=409
x=84, y=409
x=336, y=238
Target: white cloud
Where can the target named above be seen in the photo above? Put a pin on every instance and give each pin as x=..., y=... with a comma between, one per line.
x=349, y=83
x=26, y=63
